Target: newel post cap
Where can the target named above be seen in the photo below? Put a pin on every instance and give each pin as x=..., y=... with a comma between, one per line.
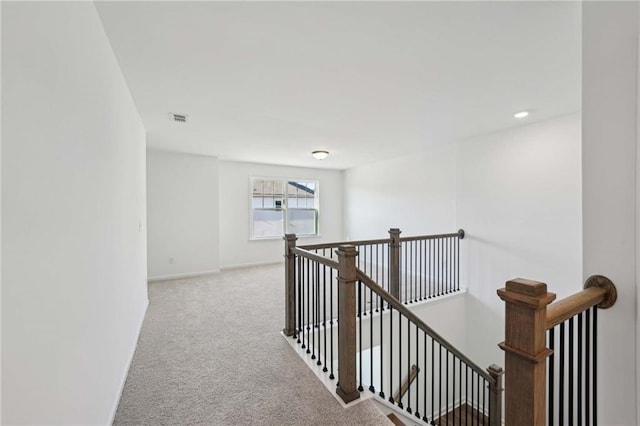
x=530, y=293
x=347, y=251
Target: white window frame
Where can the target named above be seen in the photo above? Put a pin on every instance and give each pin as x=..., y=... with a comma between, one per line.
x=284, y=208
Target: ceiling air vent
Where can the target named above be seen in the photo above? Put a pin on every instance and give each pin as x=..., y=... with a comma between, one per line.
x=178, y=118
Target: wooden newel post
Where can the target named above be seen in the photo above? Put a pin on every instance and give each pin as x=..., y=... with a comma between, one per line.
x=495, y=396
x=394, y=262
x=526, y=352
x=290, y=285
x=347, y=386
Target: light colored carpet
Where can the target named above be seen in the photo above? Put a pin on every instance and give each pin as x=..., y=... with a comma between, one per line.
x=210, y=352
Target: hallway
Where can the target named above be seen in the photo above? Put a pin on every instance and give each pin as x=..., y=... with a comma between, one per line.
x=210, y=352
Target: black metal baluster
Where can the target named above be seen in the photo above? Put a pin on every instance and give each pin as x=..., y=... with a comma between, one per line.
x=595, y=365
x=473, y=387
x=299, y=328
x=331, y=376
x=570, y=381
x=446, y=263
x=439, y=279
x=313, y=313
x=404, y=253
x=415, y=271
x=484, y=401
x=409, y=366
x=587, y=368
x=446, y=404
x=371, y=387
x=417, y=373
x=458, y=263
x=420, y=265
x=430, y=261
x=424, y=382
x=466, y=392
x=450, y=266
x=453, y=384
x=433, y=381
x=440, y=381
x=308, y=306
x=377, y=280
x=381, y=354
x=581, y=351
x=324, y=313
x=460, y=393
x=390, y=354
x=400, y=360
x=561, y=377
x=551, y=375
x=318, y=311
x=360, y=388
x=478, y=395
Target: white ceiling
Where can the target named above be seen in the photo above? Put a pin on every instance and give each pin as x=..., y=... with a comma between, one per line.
x=271, y=82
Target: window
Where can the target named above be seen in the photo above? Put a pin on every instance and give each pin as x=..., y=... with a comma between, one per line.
x=280, y=206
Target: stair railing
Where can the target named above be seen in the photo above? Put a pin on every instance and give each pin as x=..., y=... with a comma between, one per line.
x=356, y=329
x=551, y=385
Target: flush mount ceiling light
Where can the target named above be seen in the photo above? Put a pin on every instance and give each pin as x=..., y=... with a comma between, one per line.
x=521, y=114
x=320, y=155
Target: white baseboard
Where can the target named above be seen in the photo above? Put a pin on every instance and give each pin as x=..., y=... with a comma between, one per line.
x=178, y=276
x=125, y=374
x=249, y=265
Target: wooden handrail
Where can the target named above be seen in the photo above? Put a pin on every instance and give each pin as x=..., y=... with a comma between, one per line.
x=395, y=304
x=566, y=308
x=313, y=256
x=459, y=234
x=411, y=377
x=598, y=291
x=343, y=243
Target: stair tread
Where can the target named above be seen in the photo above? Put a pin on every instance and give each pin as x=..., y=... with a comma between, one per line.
x=395, y=420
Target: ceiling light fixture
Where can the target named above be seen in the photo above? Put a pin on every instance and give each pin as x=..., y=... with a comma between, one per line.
x=521, y=114
x=320, y=155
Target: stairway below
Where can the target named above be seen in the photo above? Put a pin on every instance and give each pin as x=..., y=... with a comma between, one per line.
x=462, y=415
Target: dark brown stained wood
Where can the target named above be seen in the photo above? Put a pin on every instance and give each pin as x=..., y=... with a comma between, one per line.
x=347, y=388
x=395, y=420
x=464, y=415
x=290, y=284
x=394, y=287
x=413, y=373
x=495, y=395
x=525, y=351
x=568, y=307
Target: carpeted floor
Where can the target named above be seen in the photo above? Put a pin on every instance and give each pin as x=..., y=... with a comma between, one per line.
x=210, y=353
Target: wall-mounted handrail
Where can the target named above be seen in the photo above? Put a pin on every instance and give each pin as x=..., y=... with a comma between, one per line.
x=598, y=291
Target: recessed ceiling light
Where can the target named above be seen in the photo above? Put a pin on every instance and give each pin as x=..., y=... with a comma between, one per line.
x=320, y=155
x=521, y=114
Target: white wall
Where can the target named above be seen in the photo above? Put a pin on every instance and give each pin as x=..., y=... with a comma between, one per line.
x=73, y=200
x=415, y=193
x=519, y=200
x=609, y=99
x=182, y=211
x=517, y=195
x=236, y=248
